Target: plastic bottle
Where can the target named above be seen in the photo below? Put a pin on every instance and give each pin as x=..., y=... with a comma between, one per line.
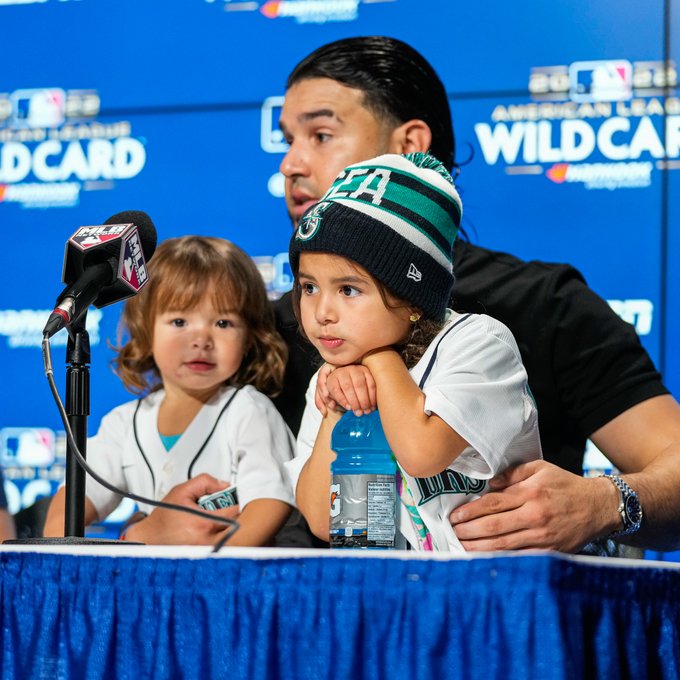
x=363, y=485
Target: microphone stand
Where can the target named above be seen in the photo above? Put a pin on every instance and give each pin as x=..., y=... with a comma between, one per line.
x=78, y=409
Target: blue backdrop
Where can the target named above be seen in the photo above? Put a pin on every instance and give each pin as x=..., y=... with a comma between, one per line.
x=567, y=123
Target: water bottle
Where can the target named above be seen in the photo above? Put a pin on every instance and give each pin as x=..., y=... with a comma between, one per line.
x=363, y=485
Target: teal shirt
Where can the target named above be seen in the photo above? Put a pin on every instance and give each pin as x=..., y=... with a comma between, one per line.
x=170, y=440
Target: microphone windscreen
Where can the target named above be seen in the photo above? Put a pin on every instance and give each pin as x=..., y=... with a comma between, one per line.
x=145, y=227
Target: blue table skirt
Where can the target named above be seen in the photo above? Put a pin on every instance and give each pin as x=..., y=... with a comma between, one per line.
x=521, y=616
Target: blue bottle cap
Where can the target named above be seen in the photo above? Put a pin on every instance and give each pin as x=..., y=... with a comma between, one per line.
x=357, y=433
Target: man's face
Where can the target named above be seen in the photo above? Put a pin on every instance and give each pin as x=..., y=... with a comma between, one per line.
x=327, y=128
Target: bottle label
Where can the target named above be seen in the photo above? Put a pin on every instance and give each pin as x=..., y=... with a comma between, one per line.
x=363, y=511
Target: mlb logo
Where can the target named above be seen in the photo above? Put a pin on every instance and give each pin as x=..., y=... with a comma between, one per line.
x=132, y=264
x=271, y=137
x=601, y=81
x=43, y=108
x=27, y=446
x=91, y=237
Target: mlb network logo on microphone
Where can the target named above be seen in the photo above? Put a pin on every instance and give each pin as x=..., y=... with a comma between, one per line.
x=132, y=270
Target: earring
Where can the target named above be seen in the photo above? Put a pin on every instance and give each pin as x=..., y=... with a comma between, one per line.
x=414, y=318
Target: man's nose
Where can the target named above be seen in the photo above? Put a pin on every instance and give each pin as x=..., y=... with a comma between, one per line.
x=294, y=163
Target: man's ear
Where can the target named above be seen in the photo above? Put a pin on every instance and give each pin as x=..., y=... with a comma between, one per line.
x=411, y=136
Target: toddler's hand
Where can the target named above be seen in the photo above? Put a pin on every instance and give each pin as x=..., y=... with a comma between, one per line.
x=353, y=388
x=322, y=397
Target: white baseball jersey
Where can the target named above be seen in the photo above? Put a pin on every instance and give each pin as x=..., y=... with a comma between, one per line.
x=473, y=378
x=238, y=436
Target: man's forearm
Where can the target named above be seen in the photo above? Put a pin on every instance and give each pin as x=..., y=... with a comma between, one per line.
x=658, y=487
x=644, y=444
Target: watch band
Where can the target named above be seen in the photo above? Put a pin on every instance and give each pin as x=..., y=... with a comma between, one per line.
x=629, y=508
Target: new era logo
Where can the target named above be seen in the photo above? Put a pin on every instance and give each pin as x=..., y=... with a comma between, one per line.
x=413, y=273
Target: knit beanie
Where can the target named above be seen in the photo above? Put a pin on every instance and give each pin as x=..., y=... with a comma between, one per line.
x=397, y=217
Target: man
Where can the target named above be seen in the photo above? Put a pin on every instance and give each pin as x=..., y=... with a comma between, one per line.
x=360, y=97
x=356, y=98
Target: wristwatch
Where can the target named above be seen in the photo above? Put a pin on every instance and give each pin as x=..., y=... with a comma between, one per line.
x=629, y=507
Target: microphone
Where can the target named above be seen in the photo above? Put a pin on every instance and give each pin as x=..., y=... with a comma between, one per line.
x=102, y=265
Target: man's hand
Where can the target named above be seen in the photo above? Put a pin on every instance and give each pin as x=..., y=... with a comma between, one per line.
x=538, y=505
x=170, y=527
x=351, y=388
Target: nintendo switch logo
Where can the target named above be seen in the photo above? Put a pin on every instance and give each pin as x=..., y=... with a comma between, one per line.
x=601, y=81
x=271, y=137
x=43, y=108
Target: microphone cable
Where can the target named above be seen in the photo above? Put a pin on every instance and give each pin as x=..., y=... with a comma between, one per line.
x=49, y=374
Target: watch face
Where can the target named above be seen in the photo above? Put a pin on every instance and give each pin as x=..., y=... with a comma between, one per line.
x=633, y=510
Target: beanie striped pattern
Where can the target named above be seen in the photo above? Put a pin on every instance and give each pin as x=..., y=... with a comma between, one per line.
x=397, y=217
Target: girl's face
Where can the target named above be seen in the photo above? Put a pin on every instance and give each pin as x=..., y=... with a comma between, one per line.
x=196, y=350
x=342, y=311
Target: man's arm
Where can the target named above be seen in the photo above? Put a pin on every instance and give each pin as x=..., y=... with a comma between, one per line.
x=644, y=444
x=538, y=505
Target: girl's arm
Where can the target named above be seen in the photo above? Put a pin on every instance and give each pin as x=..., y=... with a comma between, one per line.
x=260, y=521
x=169, y=527
x=54, y=522
x=312, y=493
x=424, y=445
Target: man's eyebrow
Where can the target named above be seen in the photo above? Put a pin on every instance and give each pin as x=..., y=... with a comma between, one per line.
x=313, y=115
x=319, y=113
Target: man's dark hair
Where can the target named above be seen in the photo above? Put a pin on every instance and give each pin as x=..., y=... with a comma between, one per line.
x=397, y=82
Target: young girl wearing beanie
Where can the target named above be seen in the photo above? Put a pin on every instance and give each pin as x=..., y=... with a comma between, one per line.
x=373, y=273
